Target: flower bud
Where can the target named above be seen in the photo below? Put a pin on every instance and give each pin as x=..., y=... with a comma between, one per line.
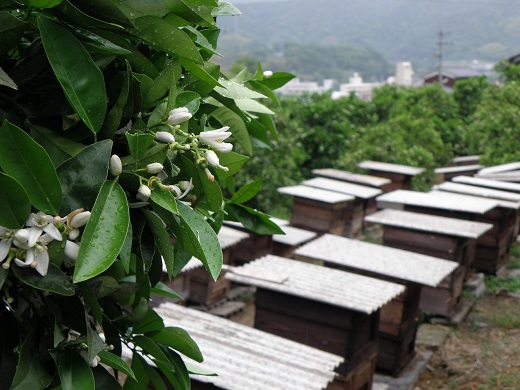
x=144, y=192
x=212, y=158
x=71, y=250
x=185, y=185
x=164, y=136
x=178, y=116
x=116, y=167
x=74, y=233
x=215, y=139
x=154, y=168
x=268, y=74
x=80, y=219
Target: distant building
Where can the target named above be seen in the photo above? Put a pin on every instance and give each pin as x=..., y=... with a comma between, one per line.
x=357, y=86
x=297, y=87
x=404, y=73
x=450, y=75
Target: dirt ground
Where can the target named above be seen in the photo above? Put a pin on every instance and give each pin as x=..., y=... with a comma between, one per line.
x=482, y=353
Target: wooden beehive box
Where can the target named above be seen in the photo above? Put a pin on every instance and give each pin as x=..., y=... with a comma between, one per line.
x=318, y=210
x=246, y=358
x=399, y=317
x=284, y=245
x=493, y=247
x=444, y=204
x=363, y=205
x=332, y=310
x=445, y=238
x=256, y=245
x=202, y=288
x=401, y=175
x=448, y=173
x=465, y=160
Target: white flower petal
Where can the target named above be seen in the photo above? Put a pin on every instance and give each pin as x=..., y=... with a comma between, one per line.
x=34, y=234
x=71, y=250
x=53, y=231
x=42, y=262
x=20, y=263
x=5, y=245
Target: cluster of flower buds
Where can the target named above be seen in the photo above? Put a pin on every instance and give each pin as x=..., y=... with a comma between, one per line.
x=27, y=246
x=203, y=147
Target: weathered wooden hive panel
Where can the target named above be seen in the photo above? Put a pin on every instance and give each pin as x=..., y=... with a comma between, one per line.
x=364, y=203
x=284, y=245
x=256, y=245
x=202, y=289
x=401, y=175
x=493, y=247
x=465, y=160
x=399, y=317
x=325, y=308
x=448, y=173
x=319, y=210
x=246, y=358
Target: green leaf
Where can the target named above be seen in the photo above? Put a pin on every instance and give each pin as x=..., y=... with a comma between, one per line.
x=11, y=31
x=59, y=148
x=80, y=78
x=161, y=239
x=158, y=115
x=233, y=161
x=163, y=36
x=34, y=366
x=6, y=80
x=163, y=290
x=116, y=363
x=164, y=81
x=105, y=380
x=151, y=323
x=45, y=3
x=252, y=219
x=165, y=199
x=277, y=80
x=104, y=234
x=151, y=348
x=233, y=90
x=253, y=106
x=247, y=192
x=198, y=236
x=176, y=372
x=138, y=144
x=115, y=114
x=94, y=343
x=139, y=370
x=28, y=163
x=55, y=281
x=188, y=99
x=74, y=372
x=103, y=10
x=83, y=175
x=200, y=72
x=100, y=43
x=16, y=205
x=156, y=153
x=3, y=276
x=225, y=9
x=180, y=340
x=126, y=250
x=236, y=125
x=212, y=192
x=90, y=299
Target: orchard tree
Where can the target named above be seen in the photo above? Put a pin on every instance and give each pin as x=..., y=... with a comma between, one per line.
x=117, y=135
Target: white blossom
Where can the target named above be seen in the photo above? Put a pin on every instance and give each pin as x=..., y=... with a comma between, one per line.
x=154, y=168
x=42, y=222
x=268, y=74
x=80, y=219
x=215, y=139
x=116, y=167
x=71, y=250
x=144, y=192
x=6, y=239
x=213, y=160
x=164, y=136
x=178, y=116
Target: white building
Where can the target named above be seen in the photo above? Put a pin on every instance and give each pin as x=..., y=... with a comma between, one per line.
x=404, y=73
x=357, y=86
x=297, y=87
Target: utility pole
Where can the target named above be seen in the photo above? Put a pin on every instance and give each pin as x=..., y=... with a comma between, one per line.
x=440, y=43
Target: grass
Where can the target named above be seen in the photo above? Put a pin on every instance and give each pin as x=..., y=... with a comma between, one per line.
x=496, y=284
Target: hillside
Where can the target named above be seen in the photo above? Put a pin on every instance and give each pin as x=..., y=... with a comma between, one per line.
x=400, y=30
